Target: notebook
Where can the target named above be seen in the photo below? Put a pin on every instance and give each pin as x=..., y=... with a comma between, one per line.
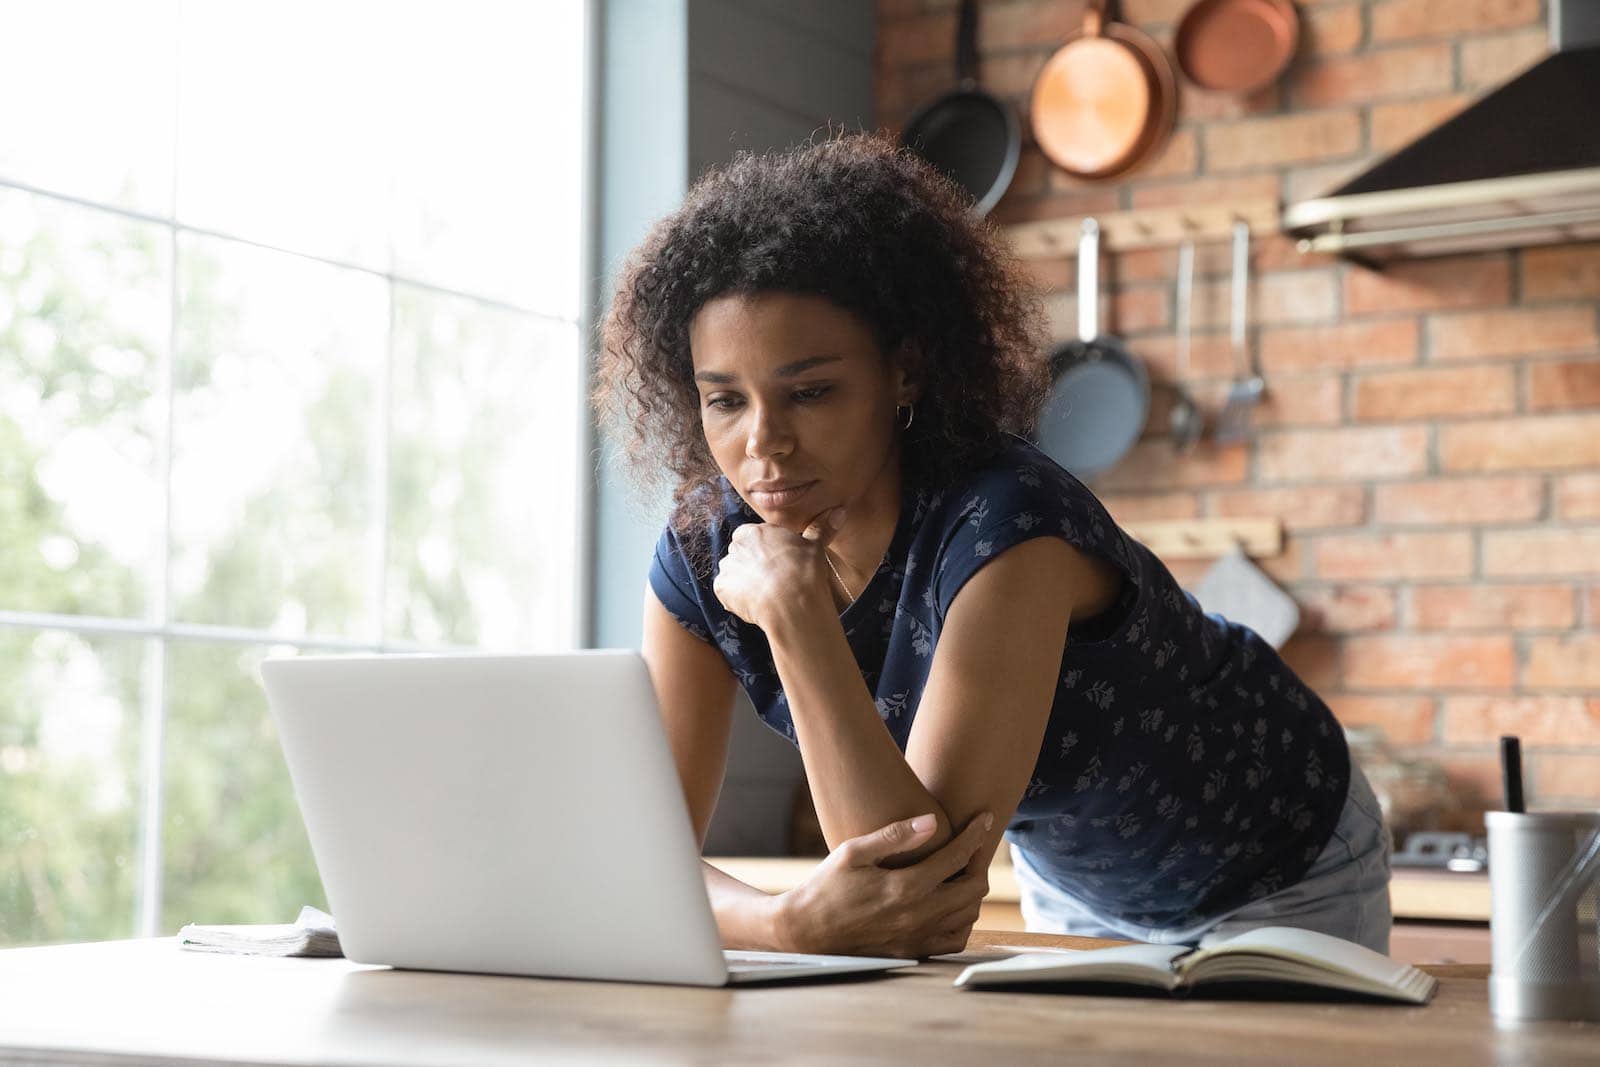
x=1270, y=955
x=311, y=934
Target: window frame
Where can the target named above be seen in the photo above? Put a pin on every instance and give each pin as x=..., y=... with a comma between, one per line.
x=160, y=631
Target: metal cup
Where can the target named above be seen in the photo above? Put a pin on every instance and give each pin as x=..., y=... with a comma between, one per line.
x=1544, y=881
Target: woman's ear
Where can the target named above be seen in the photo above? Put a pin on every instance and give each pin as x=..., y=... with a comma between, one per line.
x=907, y=365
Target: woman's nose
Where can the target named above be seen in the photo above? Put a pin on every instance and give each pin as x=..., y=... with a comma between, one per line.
x=769, y=434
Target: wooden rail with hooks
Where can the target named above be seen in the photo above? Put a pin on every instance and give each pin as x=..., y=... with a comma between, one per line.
x=1260, y=538
x=1143, y=228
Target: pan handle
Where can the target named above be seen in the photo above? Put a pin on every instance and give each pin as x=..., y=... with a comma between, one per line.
x=1089, y=282
x=967, y=44
x=1094, y=18
x=1241, y=285
x=1185, y=298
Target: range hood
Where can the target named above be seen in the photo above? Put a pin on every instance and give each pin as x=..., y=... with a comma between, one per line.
x=1519, y=167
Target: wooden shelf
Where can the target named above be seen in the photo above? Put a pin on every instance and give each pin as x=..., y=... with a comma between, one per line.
x=1121, y=231
x=1419, y=893
x=1209, y=538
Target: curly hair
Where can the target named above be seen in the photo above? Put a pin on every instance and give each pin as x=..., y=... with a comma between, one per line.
x=872, y=228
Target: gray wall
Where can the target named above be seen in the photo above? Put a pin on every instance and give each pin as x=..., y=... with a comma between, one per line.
x=684, y=84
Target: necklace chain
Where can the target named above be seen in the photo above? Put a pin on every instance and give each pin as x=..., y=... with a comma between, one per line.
x=837, y=576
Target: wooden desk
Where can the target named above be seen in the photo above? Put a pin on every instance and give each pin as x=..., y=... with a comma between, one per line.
x=149, y=1002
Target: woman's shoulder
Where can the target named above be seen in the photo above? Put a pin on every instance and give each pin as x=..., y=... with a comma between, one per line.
x=1017, y=495
x=1016, y=478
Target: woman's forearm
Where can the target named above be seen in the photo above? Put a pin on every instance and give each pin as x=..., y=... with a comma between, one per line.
x=747, y=918
x=859, y=779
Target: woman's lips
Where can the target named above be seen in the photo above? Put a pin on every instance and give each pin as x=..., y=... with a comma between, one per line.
x=779, y=498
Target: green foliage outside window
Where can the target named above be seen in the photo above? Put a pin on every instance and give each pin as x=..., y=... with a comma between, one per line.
x=71, y=704
x=478, y=539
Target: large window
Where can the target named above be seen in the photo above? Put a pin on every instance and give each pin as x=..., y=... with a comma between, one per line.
x=290, y=358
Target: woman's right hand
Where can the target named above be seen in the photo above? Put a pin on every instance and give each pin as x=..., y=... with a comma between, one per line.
x=853, y=906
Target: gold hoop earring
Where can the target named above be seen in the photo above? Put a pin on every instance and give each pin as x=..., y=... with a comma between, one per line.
x=910, y=413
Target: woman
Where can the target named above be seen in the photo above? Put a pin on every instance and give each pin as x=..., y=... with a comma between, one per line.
x=831, y=362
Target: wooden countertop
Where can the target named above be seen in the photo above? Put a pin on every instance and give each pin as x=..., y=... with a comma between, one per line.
x=1413, y=893
x=1419, y=893
x=149, y=1002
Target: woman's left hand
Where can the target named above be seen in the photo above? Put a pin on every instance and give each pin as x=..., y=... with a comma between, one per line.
x=769, y=569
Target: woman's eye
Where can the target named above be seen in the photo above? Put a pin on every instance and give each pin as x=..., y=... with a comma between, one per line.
x=816, y=392
x=723, y=403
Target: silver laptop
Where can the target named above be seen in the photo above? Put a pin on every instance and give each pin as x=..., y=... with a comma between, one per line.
x=506, y=814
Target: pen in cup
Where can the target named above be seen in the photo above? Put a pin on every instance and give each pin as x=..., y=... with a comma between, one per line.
x=1511, y=772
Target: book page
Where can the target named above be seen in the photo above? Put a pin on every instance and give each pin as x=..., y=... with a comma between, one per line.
x=1291, y=954
x=1139, y=964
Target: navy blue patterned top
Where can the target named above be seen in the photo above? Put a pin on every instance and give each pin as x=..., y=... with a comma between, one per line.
x=1185, y=769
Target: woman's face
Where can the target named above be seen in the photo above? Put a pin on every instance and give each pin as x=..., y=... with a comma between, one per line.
x=797, y=403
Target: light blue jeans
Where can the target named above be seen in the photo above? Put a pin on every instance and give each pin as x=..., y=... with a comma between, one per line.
x=1344, y=893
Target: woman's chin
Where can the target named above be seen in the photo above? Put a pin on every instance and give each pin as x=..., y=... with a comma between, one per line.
x=786, y=518
x=795, y=519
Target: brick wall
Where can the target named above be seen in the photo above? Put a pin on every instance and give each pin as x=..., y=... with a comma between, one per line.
x=1431, y=437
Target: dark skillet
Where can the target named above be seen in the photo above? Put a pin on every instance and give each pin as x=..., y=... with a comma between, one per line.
x=968, y=134
x=1101, y=393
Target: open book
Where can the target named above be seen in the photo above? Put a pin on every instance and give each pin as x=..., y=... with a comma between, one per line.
x=1270, y=955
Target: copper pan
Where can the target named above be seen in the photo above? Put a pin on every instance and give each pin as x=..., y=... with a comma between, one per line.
x=1105, y=100
x=1236, y=46
x=1161, y=121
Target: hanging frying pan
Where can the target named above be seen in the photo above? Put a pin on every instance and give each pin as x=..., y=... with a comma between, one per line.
x=1101, y=394
x=968, y=134
x=1105, y=100
x=1236, y=46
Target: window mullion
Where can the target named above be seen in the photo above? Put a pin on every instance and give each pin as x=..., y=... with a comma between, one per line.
x=153, y=719
x=379, y=446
